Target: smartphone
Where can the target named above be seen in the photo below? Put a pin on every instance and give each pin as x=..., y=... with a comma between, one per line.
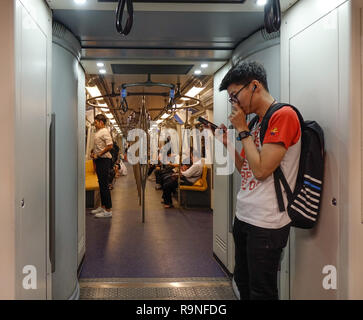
x=206, y=122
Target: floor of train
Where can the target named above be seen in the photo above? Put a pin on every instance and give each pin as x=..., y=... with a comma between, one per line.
x=170, y=256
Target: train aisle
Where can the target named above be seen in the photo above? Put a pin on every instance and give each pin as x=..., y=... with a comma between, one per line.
x=173, y=246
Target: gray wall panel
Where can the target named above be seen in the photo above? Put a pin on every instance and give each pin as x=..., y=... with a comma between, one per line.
x=81, y=164
x=31, y=247
x=65, y=104
x=221, y=204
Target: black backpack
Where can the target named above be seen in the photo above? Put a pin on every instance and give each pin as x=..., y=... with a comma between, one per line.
x=304, y=202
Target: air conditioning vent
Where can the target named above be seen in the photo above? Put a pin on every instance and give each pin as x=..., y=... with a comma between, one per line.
x=151, y=68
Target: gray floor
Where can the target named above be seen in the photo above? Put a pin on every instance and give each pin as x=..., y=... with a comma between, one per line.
x=174, y=243
x=170, y=257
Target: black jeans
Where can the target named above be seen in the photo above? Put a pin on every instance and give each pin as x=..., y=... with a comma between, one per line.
x=103, y=166
x=170, y=185
x=257, y=258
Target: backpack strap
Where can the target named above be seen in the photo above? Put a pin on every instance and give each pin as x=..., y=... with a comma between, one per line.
x=278, y=174
x=268, y=115
x=253, y=122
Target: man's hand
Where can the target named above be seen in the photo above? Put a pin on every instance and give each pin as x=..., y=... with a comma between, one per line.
x=222, y=138
x=238, y=119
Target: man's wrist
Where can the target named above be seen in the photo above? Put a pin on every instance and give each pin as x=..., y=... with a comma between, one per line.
x=243, y=128
x=243, y=135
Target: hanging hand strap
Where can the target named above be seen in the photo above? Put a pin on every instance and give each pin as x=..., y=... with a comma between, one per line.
x=119, y=15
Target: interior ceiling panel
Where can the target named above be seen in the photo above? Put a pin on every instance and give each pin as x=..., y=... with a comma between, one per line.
x=150, y=68
x=205, y=30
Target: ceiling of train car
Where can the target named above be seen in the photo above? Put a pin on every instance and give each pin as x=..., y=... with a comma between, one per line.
x=176, y=35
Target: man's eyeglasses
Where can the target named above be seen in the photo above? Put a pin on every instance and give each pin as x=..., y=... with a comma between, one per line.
x=234, y=97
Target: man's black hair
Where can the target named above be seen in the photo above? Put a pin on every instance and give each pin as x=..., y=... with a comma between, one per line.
x=101, y=117
x=243, y=72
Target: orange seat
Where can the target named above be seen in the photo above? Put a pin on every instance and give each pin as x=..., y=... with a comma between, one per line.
x=91, y=177
x=199, y=185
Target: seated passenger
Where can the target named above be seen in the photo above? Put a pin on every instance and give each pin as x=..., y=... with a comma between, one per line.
x=161, y=171
x=162, y=174
x=112, y=173
x=117, y=168
x=188, y=177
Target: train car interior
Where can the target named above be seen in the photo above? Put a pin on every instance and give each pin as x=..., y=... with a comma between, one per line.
x=157, y=66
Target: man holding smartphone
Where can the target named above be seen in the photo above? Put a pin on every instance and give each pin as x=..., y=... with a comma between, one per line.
x=260, y=230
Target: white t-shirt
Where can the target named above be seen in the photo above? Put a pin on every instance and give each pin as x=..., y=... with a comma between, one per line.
x=256, y=201
x=102, y=139
x=194, y=172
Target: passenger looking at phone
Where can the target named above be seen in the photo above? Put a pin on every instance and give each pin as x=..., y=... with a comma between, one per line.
x=260, y=230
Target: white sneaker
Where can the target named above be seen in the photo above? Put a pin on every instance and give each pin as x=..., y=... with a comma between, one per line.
x=98, y=210
x=104, y=214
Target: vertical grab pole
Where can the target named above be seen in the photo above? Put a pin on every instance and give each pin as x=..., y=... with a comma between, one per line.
x=180, y=161
x=143, y=204
x=52, y=193
x=144, y=167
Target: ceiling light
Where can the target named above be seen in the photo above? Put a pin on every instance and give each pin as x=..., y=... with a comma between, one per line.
x=105, y=109
x=180, y=105
x=198, y=71
x=261, y=2
x=100, y=64
x=80, y=1
x=185, y=99
x=113, y=121
x=165, y=115
x=109, y=115
x=94, y=91
x=194, y=92
x=159, y=121
x=204, y=65
x=102, y=71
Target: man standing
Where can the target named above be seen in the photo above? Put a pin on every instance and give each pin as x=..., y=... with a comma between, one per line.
x=260, y=230
x=103, y=158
